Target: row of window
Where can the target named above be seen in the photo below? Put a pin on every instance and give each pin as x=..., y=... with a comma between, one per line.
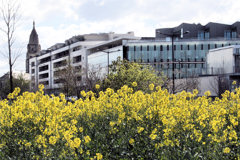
x=77, y=69
x=60, y=55
x=160, y=66
x=57, y=81
x=58, y=64
x=150, y=57
x=176, y=47
x=203, y=35
x=180, y=73
x=228, y=34
x=169, y=60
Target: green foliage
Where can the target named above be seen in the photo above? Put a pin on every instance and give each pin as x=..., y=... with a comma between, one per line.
x=17, y=82
x=123, y=72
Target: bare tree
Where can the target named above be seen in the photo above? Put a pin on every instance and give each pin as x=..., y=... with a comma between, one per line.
x=187, y=84
x=70, y=79
x=10, y=16
x=94, y=76
x=219, y=84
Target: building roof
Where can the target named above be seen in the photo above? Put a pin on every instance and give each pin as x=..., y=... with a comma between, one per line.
x=33, y=36
x=214, y=30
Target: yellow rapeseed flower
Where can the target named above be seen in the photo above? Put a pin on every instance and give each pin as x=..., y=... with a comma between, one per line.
x=131, y=141
x=52, y=140
x=226, y=150
x=140, y=129
x=80, y=129
x=87, y=139
x=134, y=84
x=151, y=86
x=97, y=86
x=77, y=142
x=99, y=156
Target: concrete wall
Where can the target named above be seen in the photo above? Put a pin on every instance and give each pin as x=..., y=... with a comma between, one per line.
x=221, y=61
x=208, y=83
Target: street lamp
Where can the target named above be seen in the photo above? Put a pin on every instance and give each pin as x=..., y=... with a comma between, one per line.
x=173, y=35
x=108, y=52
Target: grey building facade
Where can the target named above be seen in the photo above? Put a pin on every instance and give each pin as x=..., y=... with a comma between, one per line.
x=189, y=51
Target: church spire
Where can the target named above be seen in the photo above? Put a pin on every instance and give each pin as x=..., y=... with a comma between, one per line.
x=33, y=36
x=33, y=24
x=33, y=47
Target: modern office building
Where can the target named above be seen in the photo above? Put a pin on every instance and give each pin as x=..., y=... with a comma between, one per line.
x=189, y=49
x=44, y=65
x=94, y=51
x=102, y=55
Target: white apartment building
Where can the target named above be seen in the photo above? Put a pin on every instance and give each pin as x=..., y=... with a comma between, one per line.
x=43, y=65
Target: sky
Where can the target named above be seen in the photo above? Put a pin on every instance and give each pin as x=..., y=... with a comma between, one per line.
x=58, y=20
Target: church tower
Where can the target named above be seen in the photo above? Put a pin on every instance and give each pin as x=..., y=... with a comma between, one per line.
x=33, y=47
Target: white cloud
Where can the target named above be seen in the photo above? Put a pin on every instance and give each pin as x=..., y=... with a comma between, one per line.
x=58, y=20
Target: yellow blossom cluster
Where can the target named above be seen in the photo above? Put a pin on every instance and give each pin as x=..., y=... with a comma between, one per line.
x=120, y=125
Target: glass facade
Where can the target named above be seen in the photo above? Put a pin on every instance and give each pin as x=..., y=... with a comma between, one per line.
x=189, y=56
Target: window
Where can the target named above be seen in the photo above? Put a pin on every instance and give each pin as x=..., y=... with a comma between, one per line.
x=208, y=46
x=201, y=35
x=56, y=73
x=79, y=78
x=60, y=64
x=174, y=46
x=43, y=68
x=44, y=60
x=77, y=48
x=127, y=48
x=42, y=76
x=188, y=48
x=154, y=48
x=227, y=34
x=234, y=34
x=32, y=64
x=215, y=45
x=33, y=71
x=195, y=47
x=77, y=59
x=181, y=47
x=61, y=54
x=161, y=48
x=201, y=46
x=168, y=47
x=206, y=35
x=78, y=68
